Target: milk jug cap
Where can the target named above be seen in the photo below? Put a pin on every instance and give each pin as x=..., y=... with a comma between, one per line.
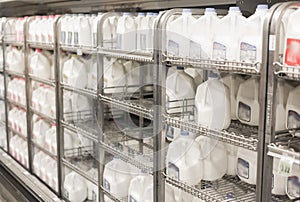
x=213, y=75
x=187, y=11
x=141, y=14
x=184, y=133
x=149, y=14
x=155, y=14
x=38, y=50
x=100, y=13
x=116, y=157
x=262, y=7
x=180, y=68
x=234, y=9
x=80, y=15
x=210, y=10
x=126, y=14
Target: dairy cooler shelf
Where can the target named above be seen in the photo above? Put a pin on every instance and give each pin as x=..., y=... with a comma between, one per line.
x=17, y=133
x=44, y=46
x=85, y=92
x=221, y=65
x=13, y=73
x=14, y=43
x=42, y=115
x=79, y=50
x=41, y=80
x=16, y=104
x=41, y=148
x=127, y=55
x=237, y=134
x=287, y=72
x=278, y=152
x=111, y=196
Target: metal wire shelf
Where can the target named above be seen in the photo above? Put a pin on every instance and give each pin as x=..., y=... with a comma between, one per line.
x=85, y=92
x=222, y=65
x=42, y=115
x=287, y=72
x=13, y=73
x=278, y=152
x=17, y=133
x=41, y=80
x=79, y=50
x=41, y=148
x=127, y=55
x=16, y=104
x=39, y=45
x=14, y=43
x=111, y=196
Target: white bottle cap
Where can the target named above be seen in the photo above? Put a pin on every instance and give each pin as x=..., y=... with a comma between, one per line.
x=149, y=14
x=187, y=11
x=126, y=14
x=234, y=9
x=262, y=7
x=141, y=14
x=210, y=10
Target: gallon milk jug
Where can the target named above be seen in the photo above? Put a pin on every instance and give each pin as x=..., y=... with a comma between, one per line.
x=173, y=133
x=40, y=65
x=44, y=166
x=183, y=162
x=137, y=187
x=247, y=165
x=252, y=37
x=126, y=33
x=283, y=90
x=145, y=37
x=233, y=82
x=293, y=183
x=38, y=133
x=279, y=181
x=138, y=22
x=24, y=154
x=94, y=24
x=293, y=109
x=37, y=163
x=92, y=74
x=117, y=177
x=213, y=158
x=132, y=69
x=50, y=139
x=292, y=40
x=75, y=188
x=231, y=159
x=202, y=31
x=15, y=60
x=178, y=42
x=227, y=35
x=212, y=103
x=92, y=188
x=248, y=106
x=3, y=141
x=75, y=72
x=114, y=72
x=82, y=31
x=51, y=176
x=109, y=32
x=180, y=92
x=63, y=28
x=196, y=75
x=70, y=29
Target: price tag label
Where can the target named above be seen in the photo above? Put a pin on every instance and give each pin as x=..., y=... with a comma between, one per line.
x=285, y=165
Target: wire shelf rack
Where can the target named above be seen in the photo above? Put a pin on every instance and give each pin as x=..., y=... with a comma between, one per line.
x=39, y=45
x=41, y=80
x=287, y=72
x=79, y=50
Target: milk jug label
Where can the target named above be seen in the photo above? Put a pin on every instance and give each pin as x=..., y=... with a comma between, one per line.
x=195, y=50
x=106, y=185
x=293, y=119
x=285, y=165
x=243, y=168
x=173, y=48
x=292, y=52
x=244, y=112
x=173, y=171
x=76, y=42
x=169, y=131
x=219, y=51
x=70, y=36
x=248, y=52
x=131, y=199
x=143, y=41
x=293, y=187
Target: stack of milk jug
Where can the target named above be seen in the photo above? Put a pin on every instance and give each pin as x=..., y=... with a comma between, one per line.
x=14, y=29
x=18, y=148
x=3, y=141
x=15, y=60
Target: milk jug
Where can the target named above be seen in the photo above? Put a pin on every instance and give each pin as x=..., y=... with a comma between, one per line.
x=278, y=181
x=292, y=40
x=248, y=106
x=3, y=139
x=196, y=75
x=24, y=154
x=293, y=183
x=92, y=188
x=39, y=129
x=212, y=104
x=92, y=74
x=117, y=177
x=178, y=33
x=44, y=166
x=247, y=165
x=173, y=133
x=94, y=24
x=227, y=35
x=213, y=158
x=145, y=37
x=109, y=32
x=252, y=38
x=137, y=187
x=202, y=31
x=183, y=161
x=40, y=65
x=126, y=33
x=51, y=175
x=63, y=28
x=293, y=109
x=233, y=81
x=75, y=188
x=180, y=92
x=50, y=139
x=114, y=72
x=138, y=22
x=283, y=90
x=2, y=111
x=32, y=30
x=15, y=60
x=37, y=162
x=75, y=72
x=82, y=31
x=132, y=69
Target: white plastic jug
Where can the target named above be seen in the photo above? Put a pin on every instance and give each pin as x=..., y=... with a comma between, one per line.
x=202, y=31
x=92, y=188
x=196, y=75
x=212, y=104
x=178, y=33
x=75, y=72
x=75, y=188
x=126, y=33
x=138, y=22
x=24, y=154
x=82, y=31
x=50, y=139
x=117, y=177
x=92, y=73
x=137, y=187
x=180, y=91
x=70, y=29
x=183, y=162
x=213, y=158
x=132, y=69
x=51, y=175
x=227, y=35
x=145, y=37
x=63, y=28
x=47, y=100
x=248, y=106
x=282, y=93
x=247, y=165
x=293, y=109
x=15, y=60
x=173, y=133
x=233, y=82
x=252, y=37
x=45, y=161
x=37, y=163
x=3, y=138
x=38, y=133
x=40, y=65
x=23, y=123
x=278, y=181
x=293, y=183
x=292, y=39
x=114, y=72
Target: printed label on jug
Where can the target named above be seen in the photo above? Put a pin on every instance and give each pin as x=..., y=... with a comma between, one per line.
x=173, y=171
x=292, y=56
x=70, y=37
x=243, y=168
x=66, y=194
x=285, y=165
x=293, y=119
x=131, y=199
x=248, y=52
x=94, y=196
x=173, y=48
x=195, y=50
x=76, y=40
x=293, y=187
x=143, y=41
x=169, y=131
x=219, y=51
x=244, y=112
x=106, y=185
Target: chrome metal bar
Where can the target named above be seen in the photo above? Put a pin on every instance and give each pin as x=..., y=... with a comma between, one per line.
x=44, y=116
x=79, y=50
x=13, y=73
x=16, y=104
x=42, y=148
x=41, y=80
x=44, y=46
x=85, y=92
